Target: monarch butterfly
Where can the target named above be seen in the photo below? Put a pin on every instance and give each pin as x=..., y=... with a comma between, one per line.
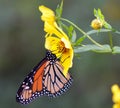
x=45, y=79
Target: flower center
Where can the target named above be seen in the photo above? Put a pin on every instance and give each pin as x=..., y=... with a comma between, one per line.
x=61, y=47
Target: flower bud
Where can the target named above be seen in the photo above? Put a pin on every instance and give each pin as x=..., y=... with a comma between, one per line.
x=96, y=24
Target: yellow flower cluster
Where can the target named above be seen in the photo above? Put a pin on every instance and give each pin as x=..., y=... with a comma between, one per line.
x=56, y=40
x=116, y=95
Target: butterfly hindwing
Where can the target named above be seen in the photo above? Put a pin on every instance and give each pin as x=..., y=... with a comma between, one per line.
x=54, y=80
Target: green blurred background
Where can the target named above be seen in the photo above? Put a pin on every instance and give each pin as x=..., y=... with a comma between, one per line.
x=22, y=47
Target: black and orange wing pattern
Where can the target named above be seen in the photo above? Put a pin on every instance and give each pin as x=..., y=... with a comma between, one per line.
x=45, y=79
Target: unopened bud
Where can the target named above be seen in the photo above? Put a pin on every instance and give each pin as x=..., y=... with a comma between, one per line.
x=96, y=24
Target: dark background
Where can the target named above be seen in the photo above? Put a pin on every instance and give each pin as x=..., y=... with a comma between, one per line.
x=22, y=47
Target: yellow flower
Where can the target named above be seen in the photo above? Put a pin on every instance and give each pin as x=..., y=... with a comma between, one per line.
x=116, y=93
x=116, y=106
x=56, y=40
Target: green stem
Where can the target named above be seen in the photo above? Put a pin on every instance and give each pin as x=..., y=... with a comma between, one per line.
x=111, y=40
x=96, y=43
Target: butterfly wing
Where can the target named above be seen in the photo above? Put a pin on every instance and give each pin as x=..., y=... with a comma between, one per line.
x=32, y=86
x=45, y=79
x=54, y=81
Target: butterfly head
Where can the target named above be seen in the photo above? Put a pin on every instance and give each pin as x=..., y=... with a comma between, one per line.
x=50, y=56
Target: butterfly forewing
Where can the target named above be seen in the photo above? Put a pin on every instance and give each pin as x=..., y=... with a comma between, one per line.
x=32, y=85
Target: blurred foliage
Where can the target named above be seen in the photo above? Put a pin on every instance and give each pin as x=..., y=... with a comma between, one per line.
x=22, y=47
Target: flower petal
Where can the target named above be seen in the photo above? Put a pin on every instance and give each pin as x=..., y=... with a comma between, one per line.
x=116, y=93
x=47, y=14
x=117, y=105
x=53, y=30
x=66, y=42
x=66, y=60
x=115, y=88
x=51, y=43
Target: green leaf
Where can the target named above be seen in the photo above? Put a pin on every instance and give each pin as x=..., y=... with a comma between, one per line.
x=101, y=16
x=70, y=31
x=59, y=10
x=98, y=14
x=107, y=25
x=80, y=40
x=73, y=39
x=62, y=25
x=116, y=50
x=95, y=12
x=85, y=48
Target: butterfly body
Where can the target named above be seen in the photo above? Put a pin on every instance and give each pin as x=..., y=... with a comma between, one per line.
x=45, y=79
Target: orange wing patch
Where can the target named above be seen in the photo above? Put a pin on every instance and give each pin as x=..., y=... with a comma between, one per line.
x=37, y=85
